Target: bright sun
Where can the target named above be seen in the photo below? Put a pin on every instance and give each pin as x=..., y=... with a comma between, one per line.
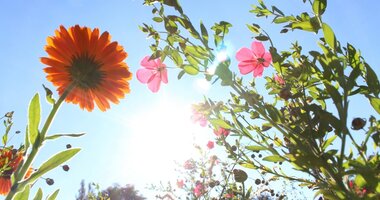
x=161, y=135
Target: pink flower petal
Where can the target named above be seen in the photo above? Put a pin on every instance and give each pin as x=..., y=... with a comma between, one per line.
x=258, y=49
x=244, y=54
x=268, y=59
x=164, y=75
x=154, y=84
x=144, y=75
x=258, y=72
x=149, y=64
x=247, y=67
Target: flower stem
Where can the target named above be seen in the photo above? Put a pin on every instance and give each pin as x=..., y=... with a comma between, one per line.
x=38, y=144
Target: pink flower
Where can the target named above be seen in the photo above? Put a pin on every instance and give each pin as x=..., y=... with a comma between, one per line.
x=199, y=189
x=221, y=131
x=199, y=117
x=189, y=164
x=152, y=73
x=180, y=183
x=254, y=59
x=229, y=195
x=210, y=144
x=279, y=79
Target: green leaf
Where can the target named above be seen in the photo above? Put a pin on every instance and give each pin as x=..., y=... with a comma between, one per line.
x=248, y=165
x=38, y=195
x=254, y=28
x=262, y=38
x=157, y=19
x=372, y=80
x=177, y=58
x=328, y=141
x=53, y=196
x=34, y=116
x=55, y=136
x=175, y=4
x=329, y=36
x=180, y=74
x=375, y=102
x=360, y=181
x=23, y=195
x=224, y=73
x=53, y=162
x=334, y=93
x=309, y=25
x=190, y=69
x=274, y=158
x=220, y=123
x=256, y=148
x=319, y=6
x=204, y=33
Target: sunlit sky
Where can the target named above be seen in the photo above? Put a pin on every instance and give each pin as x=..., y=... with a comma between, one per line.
x=136, y=141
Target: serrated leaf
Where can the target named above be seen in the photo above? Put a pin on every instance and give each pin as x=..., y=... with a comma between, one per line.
x=34, y=116
x=23, y=195
x=274, y=158
x=55, y=136
x=220, y=123
x=329, y=36
x=38, y=195
x=52, y=163
x=319, y=6
x=53, y=196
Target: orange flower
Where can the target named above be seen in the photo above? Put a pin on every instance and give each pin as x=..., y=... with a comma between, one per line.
x=87, y=64
x=9, y=161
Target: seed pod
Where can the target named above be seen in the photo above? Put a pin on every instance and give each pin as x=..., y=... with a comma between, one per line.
x=66, y=168
x=49, y=181
x=240, y=175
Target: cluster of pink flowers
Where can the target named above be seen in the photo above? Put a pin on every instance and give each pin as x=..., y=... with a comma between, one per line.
x=210, y=144
x=255, y=59
x=199, y=189
x=198, y=117
x=189, y=164
x=221, y=131
x=180, y=183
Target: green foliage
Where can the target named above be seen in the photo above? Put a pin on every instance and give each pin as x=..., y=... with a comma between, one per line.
x=34, y=116
x=307, y=125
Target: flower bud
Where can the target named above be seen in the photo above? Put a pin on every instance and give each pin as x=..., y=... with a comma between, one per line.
x=49, y=181
x=65, y=168
x=358, y=123
x=285, y=93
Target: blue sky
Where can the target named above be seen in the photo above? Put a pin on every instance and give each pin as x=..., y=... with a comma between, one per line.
x=133, y=141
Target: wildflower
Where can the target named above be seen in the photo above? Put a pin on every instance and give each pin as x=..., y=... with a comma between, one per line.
x=210, y=145
x=199, y=189
x=180, y=183
x=229, y=195
x=221, y=131
x=9, y=161
x=189, y=164
x=199, y=117
x=279, y=79
x=87, y=67
x=153, y=73
x=254, y=59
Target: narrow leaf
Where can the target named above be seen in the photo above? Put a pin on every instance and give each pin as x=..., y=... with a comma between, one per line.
x=274, y=158
x=256, y=148
x=53, y=162
x=55, y=136
x=220, y=123
x=34, y=116
x=38, y=195
x=190, y=69
x=319, y=6
x=329, y=36
x=328, y=142
x=375, y=102
x=54, y=195
x=23, y=195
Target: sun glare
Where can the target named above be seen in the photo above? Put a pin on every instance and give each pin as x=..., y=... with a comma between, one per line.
x=162, y=135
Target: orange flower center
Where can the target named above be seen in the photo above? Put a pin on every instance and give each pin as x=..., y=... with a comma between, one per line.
x=85, y=72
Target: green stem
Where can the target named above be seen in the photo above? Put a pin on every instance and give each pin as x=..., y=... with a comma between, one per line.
x=21, y=174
